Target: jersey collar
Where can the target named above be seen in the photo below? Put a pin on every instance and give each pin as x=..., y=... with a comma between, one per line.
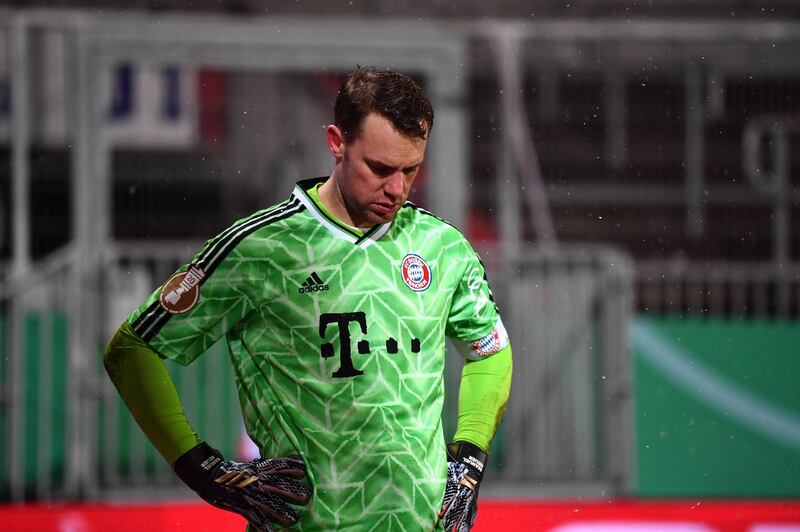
x=334, y=226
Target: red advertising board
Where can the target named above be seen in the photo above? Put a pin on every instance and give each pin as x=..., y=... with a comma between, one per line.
x=640, y=516
x=506, y=516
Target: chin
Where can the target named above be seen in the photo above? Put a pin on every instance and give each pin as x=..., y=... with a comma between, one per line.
x=373, y=218
x=386, y=219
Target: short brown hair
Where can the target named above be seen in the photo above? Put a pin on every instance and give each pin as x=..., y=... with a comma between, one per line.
x=392, y=95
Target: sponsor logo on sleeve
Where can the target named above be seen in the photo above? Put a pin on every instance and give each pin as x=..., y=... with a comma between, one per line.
x=416, y=273
x=490, y=344
x=181, y=292
x=475, y=284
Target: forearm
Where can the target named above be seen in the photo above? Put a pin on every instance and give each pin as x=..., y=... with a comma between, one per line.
x=147, y=389
x=482, y=397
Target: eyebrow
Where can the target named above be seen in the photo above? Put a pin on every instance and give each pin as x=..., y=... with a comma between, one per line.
x=373, y=162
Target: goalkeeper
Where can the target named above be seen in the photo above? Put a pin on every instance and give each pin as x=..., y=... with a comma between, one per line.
x=335, y=306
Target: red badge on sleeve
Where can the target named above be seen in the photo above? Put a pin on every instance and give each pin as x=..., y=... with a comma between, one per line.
x=182, y=291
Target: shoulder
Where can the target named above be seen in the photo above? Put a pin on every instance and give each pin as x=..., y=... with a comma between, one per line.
x=272, y=223
x=431, y=224
x=272, y=220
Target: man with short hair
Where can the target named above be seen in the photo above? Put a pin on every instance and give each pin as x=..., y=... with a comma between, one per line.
x=335, y=305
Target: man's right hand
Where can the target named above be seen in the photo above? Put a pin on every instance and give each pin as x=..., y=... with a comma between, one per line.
x=258, y=490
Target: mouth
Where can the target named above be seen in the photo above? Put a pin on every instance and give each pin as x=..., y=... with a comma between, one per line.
x=385, y=208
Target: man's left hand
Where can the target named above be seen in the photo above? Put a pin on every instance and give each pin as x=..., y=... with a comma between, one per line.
x=465, y=463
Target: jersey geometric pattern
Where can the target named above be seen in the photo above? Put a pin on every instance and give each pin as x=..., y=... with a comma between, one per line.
x=350, y=377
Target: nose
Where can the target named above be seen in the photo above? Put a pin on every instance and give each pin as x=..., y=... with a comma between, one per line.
x=394, y=185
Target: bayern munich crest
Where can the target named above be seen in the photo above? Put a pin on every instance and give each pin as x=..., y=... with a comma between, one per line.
x=488, y=345
x=416, y=273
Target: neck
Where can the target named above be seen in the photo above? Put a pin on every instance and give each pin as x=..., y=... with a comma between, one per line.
x=331, y=197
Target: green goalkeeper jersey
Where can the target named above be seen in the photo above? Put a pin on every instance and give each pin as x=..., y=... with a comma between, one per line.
x=337, y=338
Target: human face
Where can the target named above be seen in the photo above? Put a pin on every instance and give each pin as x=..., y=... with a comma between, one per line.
x=374, y=172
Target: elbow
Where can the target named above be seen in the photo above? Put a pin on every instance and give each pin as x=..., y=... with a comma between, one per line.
x=114, y=353
x=111, y=355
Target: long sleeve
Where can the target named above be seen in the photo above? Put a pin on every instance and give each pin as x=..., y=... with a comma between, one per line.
x=482, y=397
x=147, y=389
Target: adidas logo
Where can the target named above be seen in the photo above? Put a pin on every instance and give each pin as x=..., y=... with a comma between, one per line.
x=313, y=284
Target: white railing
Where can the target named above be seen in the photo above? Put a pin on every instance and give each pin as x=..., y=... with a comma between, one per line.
x=568, y=419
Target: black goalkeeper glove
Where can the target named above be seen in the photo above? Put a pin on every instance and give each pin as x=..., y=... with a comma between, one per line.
x=258, y=490
x=465, y=463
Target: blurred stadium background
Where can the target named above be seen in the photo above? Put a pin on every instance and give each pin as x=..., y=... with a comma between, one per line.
x=628, y=171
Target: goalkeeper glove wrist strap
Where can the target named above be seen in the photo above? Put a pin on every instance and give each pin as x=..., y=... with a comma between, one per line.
x=469, y=454
x=195, y=465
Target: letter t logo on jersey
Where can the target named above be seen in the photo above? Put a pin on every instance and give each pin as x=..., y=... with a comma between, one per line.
x=343, y=320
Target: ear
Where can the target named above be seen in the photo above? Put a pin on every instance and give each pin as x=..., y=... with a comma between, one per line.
x=335, y=141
